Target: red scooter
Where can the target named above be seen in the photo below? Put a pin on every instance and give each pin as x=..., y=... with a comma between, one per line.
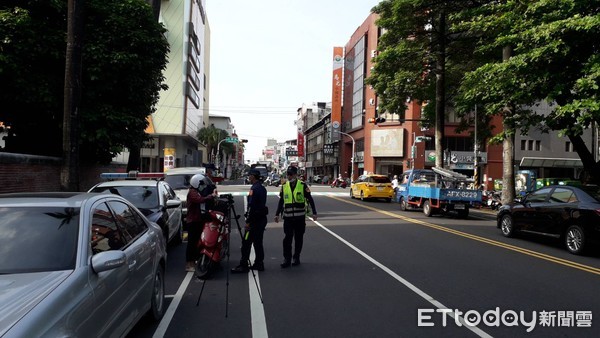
x=339, y=183
x=214, y=240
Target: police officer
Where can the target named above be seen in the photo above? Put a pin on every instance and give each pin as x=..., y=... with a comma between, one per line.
x=292, y=205
x=256, y=221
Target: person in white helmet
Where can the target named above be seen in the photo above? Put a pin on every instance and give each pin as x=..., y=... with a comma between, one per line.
x=200, y=192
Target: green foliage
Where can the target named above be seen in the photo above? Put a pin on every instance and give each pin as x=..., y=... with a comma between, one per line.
x=405, y=67
x=124, y=54
x=555, y=59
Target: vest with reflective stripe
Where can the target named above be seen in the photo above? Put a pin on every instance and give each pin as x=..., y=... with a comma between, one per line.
x=293, y=202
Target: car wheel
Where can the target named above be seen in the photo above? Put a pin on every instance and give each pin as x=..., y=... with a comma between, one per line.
x=575, y=239
x=203, y=267
x=464, y=213
x=507, y=226
x=403, y=204
x=427, y=208
x=157, y=308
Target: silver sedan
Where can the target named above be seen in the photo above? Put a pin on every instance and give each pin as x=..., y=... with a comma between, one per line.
x=77, y=265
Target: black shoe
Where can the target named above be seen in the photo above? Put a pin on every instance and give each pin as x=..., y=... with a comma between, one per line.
x=286, y=264
x=258, y=266
x=240, y=269
x=296, y=262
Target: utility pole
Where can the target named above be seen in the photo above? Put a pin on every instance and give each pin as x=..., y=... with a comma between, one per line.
x=69, y=174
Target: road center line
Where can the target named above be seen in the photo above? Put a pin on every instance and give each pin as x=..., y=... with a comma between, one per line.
x=528, y=252
x=406, y=283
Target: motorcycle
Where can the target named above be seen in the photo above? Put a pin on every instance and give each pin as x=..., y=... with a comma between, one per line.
x=273, y=180
x=213, y=244
x=494, y=199
x=337, y=183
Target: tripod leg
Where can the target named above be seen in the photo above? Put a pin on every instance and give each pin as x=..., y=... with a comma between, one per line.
x=201, y=290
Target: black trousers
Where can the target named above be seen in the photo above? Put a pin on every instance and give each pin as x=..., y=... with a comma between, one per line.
x=254, y=237
x=194, y=231
x=294, y=229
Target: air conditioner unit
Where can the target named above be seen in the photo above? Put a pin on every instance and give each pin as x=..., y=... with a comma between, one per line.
x=372, y=101
x=373, y=53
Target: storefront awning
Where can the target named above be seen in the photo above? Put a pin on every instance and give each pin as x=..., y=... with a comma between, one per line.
x=545, y=162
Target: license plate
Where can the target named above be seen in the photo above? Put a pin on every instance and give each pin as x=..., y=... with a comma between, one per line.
x=459, y=207
x=379, y=188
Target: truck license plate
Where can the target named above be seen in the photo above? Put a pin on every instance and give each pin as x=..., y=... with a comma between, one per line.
x=459, y=207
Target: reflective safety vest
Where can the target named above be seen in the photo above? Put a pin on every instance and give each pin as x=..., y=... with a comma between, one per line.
x=293, y=202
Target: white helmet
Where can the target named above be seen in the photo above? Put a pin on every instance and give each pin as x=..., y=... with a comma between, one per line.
x=197, y=181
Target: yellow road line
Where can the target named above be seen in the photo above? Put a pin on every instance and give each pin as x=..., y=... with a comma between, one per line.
x=532, y=253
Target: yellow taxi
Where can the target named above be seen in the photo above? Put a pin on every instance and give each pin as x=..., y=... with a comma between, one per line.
x=372, y=186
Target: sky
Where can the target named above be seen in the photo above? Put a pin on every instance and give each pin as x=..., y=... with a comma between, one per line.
x=268, y=57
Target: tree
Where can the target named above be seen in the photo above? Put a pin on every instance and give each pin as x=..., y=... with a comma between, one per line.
x=124, y=54
x=420, y=59
x=555, y=58
x=210, y=137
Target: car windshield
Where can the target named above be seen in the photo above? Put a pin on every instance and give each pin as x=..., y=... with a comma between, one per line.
x=179, y=181
x=34, y=239
x=592, y=190
x=143, y=197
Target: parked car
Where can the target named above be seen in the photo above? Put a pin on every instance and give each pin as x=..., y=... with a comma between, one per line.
x=372, y=186
x=155, y=199
x=569, y=213
x=77, y=265
x=179, y=180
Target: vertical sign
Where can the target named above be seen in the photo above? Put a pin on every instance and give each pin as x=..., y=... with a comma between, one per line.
x=336, y=92
x=300, y=144
x=169, y=161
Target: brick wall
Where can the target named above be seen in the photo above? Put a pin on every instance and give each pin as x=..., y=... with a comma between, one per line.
x=23, y=173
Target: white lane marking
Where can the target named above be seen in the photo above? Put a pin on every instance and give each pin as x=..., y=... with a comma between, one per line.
x=257, y=309
x=166, y=320
x=406, y=283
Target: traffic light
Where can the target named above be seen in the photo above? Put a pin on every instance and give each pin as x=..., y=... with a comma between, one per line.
x=376, y=120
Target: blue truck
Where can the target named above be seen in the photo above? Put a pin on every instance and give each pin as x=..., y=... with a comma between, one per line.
x=437, y=190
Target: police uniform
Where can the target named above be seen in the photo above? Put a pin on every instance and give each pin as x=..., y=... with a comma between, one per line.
x=256, y=222
x=293, y=200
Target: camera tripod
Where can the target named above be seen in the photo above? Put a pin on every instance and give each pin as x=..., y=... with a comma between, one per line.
x=230, y=214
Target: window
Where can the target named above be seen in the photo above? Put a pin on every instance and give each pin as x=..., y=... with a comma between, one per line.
x=568, y=147
x=128, y=219
x=562, y=195
x=538, y=196
x=523, y=144
x=530, y=145
x=538, y=145
x=105, y=234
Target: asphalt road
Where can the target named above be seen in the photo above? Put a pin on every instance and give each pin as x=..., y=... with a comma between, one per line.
x=371, y=270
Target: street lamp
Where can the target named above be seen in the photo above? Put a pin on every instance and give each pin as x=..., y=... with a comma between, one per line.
x=353, y=154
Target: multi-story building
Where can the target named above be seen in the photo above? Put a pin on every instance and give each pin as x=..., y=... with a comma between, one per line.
x=183, y=108
x=400, y=142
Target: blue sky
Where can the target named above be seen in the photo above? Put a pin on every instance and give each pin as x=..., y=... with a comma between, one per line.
x=270, y=56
